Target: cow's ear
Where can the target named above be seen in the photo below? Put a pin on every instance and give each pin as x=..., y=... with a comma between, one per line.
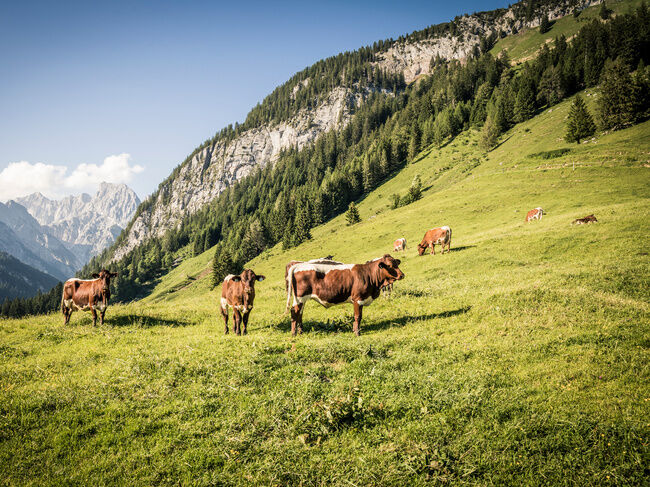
x=235, y=278
x=95, y=275
x=398, y=262
x=260, y=278
x=382, y=265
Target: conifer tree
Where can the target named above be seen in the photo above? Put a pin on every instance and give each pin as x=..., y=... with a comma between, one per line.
x=604, y=12
x=545, y=25
x=352, y=215
x=620, y=102
x=524, y=103
x=489, y=134
x=580, y=123
x=222, y=265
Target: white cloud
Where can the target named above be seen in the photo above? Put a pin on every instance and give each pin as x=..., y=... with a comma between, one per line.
x=22, y=178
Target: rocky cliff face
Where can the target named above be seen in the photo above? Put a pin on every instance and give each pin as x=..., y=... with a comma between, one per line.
x=413, y=58
x=87, y=224
x=219, y=165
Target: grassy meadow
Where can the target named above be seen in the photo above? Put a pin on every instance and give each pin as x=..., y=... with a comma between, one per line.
x=521, y=357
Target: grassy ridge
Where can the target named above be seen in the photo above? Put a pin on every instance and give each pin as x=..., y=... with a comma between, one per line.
x=520, y=357
x=524, y=45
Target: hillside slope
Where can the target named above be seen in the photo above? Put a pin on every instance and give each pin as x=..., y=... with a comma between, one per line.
x=312, y=103
x=20, y=280
x=519, y=356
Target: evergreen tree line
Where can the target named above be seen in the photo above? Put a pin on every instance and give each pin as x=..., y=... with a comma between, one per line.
x=281, y=203
x=40, y=304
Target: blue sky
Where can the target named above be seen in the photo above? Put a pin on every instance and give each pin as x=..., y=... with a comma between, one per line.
x=146, y=82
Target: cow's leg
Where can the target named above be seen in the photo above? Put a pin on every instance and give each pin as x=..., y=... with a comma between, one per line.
x=236, y=316
x=245, y=318
x=101, y=316
x=94, y=312
x=433, y=249
x=358, y=311
x=224, y=313
x=296, y=319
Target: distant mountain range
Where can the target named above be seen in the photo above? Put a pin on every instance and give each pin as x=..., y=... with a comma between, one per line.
x=58, y=237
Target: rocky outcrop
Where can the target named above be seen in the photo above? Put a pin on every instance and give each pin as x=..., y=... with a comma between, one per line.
x=86, y=224
x=413, y=59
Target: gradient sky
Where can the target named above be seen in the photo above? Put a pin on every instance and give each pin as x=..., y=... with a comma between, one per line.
x=82, y=81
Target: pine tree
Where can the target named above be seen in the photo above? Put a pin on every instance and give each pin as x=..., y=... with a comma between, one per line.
x=303, y=223
x=524, y=103
x=545, y=25
x=604, y=12
x=580, y=123
x=415, y=191
x=489, y=134
x=222, y=265
x=352, y=215
x=621, y=101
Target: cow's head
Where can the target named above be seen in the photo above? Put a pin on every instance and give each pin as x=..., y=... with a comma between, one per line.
x=248, y=279
x=389, y=270
x=421, y=249
x=105, y=277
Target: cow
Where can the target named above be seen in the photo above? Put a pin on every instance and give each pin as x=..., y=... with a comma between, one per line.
x=399, y=244
x=586, y=220
x=332, y=283
x=435, y=236
x=87, y=295
x=238, y=292
x=535, y=214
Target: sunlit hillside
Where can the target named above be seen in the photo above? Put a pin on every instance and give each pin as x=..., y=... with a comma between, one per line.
x=521, y=357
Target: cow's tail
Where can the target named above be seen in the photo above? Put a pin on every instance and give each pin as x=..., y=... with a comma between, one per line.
x=290, y=289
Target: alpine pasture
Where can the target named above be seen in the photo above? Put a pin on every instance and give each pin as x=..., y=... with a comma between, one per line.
x=521, y=357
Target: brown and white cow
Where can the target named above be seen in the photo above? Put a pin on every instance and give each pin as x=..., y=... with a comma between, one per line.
x=399, y=244
x=535, y=214
x=586, y=220
x=87, y=295
x=238, y=292
x=335, y=283
x=435, y=236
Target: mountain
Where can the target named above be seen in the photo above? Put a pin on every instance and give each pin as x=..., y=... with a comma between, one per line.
x=317, y=100
x=20, y=280
x=85, y=224
x=25, y=239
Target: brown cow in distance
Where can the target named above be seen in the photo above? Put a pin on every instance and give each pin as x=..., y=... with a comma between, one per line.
x=238, y=292
x=586, y=220
x=335, y=283
x=435, y=236
x=399, y=244
x=87, y=295
x=535, y=214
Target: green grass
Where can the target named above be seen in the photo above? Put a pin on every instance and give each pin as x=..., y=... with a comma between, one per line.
x=521, y=357
x=524, y=45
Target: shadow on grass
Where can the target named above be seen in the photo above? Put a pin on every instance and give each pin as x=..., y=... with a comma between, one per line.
x=345, y=325
x=143, y=321
x=460, y=249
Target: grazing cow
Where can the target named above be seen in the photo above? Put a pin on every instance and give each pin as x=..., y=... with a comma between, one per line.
x=399, y=244
x=435, y=236
x=332, y=283
x=238, y=292
x=586, y=220
x=535, y=214
x=87, y=295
